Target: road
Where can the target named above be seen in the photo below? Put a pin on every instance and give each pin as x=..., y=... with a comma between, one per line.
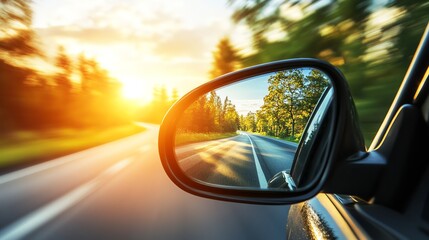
x=246, y=160
x=120, y=191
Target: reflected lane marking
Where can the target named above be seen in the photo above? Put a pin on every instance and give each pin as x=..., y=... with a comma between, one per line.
x=261, y=175
x=34, y=220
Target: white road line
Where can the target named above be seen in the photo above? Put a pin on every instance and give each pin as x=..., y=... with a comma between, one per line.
x=8, y=177
x=27, y=224
x=37, y=168
x=261, y=176
x=145, y=148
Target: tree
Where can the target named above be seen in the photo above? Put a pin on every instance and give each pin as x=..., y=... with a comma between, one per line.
x=248, y=123
x=231, y=120
x=16, y=43
x=208, y=114
x=84, y=69
x=64, y=73
x=16, y=33
x=291, y=98
x=174, y=95
x=225, y=59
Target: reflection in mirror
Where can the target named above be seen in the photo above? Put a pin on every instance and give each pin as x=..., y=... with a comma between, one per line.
x=246, y=134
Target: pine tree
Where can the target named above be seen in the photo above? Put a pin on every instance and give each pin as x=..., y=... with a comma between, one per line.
x=225, y=59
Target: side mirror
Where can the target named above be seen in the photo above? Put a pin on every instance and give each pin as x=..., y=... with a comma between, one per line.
x=264, y=134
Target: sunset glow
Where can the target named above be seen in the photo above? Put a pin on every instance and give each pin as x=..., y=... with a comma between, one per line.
x=143, y=44
x=136, y=90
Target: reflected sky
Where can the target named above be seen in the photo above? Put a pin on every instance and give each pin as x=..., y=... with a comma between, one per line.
x=247, y=95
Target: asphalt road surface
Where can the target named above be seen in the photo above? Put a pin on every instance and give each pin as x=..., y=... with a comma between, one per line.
x=120, y=191
x=246, y=160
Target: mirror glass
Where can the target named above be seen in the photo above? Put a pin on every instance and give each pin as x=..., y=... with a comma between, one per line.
x=246, y=134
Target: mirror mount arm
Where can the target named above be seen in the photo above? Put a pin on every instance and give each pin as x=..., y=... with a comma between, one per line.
x=357, y=177
x=382, y=172
x=354, y=171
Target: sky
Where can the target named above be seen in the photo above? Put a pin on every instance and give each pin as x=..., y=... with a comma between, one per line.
x=143, y=44
x=247, y=95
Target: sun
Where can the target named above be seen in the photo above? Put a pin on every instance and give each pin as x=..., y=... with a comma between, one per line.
x=136, y=90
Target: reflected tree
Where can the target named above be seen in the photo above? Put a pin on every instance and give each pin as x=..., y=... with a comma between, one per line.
x=209, y=115
x=292, y=96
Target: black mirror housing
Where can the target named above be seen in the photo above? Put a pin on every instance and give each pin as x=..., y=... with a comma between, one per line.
x=338, y=137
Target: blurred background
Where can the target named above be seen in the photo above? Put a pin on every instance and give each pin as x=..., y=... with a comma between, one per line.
x=75, y=75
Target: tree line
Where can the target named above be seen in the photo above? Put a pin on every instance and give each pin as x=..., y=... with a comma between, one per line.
x=162, y=100
x=209, y=114
x=78, y=93
x=292, y=96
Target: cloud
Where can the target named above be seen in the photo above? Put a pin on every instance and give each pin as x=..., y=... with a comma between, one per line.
x=105, y=35
x=196, y=42
x=167, y=30
x=162, y=42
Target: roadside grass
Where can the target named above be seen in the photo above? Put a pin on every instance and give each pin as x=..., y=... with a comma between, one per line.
x=290, y=139
x=192, y=137
x=27, y=147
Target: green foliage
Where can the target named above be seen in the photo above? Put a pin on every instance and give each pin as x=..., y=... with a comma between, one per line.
x=248, y=123
x=209, y=115
x=192, y=137
x=292, y=96
x=225, y=59
x=373, y=55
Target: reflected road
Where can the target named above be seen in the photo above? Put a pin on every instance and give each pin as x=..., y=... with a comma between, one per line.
x=120, y=191
x=247, y=159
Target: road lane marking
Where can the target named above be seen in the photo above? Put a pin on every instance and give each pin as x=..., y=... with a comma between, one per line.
x=261, y=175
x=34, y=220
x=145, y=148
x=98, y=151
x=8, y=177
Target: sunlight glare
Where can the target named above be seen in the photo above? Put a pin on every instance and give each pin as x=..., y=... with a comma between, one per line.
x=136, y=90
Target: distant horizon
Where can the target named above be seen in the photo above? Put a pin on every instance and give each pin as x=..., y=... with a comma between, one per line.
x=244, y=106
